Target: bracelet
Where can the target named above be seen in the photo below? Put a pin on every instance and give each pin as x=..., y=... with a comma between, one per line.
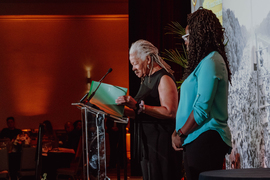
x=142, y=107
x=181, y=131
x=181, y=134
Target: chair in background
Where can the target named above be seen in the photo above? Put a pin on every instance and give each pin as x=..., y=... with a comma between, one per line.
x=28, y=162
x=75, y=167
x=4, y=163
x=38, y=155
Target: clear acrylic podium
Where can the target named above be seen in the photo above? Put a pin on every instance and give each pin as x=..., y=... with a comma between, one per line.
x=93, y=141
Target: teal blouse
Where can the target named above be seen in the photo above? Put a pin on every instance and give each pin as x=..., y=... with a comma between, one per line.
x=205, y=92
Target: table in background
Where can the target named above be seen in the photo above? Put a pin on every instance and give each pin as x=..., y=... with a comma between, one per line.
x=236, y=174
x=56, y=158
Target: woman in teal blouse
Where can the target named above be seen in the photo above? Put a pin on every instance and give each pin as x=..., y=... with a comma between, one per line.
x=201, y=119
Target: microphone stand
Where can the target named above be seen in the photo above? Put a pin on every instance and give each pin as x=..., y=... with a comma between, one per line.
x=84, y=97
x=93, y=93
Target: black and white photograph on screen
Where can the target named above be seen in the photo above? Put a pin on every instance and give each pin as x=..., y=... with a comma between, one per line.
x=247, y=24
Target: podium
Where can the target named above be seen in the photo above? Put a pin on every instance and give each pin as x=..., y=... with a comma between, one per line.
x=93, y=141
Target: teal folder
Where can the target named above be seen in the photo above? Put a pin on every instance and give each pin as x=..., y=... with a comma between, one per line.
x=105, y=97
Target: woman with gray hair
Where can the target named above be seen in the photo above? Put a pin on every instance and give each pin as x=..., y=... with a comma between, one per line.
x=154, y=110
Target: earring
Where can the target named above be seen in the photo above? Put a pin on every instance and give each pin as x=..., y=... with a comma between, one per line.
x=148, y=66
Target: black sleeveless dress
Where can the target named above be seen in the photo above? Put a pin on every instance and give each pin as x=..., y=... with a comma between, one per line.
x=159, y=161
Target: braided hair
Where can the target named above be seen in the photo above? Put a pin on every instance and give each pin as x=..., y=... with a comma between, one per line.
x=206, y=35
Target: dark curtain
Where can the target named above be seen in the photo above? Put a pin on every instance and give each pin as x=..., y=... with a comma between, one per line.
x=147, y=20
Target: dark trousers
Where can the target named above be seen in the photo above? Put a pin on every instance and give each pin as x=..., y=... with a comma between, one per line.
x=160, y=161
x=205, y=153
x=116, y=148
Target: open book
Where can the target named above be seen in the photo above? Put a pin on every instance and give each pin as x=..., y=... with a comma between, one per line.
x=105, y=98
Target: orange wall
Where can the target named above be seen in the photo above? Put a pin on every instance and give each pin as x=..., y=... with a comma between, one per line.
x=44, y=61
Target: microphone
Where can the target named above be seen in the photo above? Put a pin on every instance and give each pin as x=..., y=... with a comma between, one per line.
x=110, y=70
x=94, y=92
x=91, y=96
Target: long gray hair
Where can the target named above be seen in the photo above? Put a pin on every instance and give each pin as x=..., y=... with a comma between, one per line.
x=143, y=49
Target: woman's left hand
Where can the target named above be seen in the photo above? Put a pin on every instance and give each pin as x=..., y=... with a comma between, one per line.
x=176, y=142
x=126, y=101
